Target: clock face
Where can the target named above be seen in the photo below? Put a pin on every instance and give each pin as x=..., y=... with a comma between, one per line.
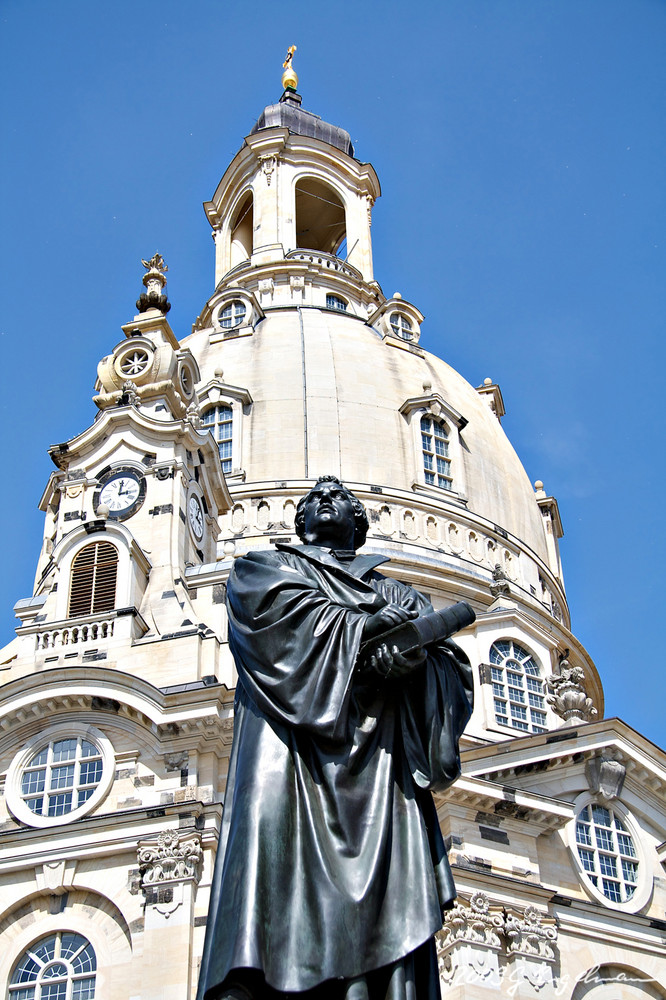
x=195, y=517
x=122, y=490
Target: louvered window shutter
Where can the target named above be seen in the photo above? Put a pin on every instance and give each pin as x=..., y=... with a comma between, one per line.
x=93, y=583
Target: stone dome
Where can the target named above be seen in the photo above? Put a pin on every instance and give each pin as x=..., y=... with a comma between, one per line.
x=307, y=369
x=364, y=394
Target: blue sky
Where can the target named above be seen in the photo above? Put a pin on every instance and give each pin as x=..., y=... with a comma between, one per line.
x=521, y=148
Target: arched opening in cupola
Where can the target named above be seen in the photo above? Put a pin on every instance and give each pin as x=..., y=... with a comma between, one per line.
x=241, y=231
x=320, y=217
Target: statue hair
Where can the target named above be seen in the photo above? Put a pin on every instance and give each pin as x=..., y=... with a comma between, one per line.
x=360, y=516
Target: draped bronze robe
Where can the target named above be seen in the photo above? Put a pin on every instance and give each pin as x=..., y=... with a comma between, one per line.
x=331, y=862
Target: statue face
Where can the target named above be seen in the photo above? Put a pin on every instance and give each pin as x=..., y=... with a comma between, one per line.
x=329, y=516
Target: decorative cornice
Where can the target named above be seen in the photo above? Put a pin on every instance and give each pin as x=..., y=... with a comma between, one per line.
x=436, y=404
x=645, y=763
x=539, y=811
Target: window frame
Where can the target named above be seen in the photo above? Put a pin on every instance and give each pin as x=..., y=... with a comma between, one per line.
x=95, y=585
x=433, y=456
x=644, y=876
x=401, y=324
x=414, y=410
x=236, y=319
x=519, y=708
x=74, y=730
x=209, y=407
x=36, y=984
x=332, y=301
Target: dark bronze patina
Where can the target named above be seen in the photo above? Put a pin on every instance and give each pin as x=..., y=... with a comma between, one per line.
x=331, y=875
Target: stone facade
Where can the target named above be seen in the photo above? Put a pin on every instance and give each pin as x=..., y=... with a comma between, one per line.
x=116, y=718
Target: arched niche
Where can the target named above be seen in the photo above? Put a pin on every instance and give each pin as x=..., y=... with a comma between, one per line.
x=242, y=228
x=320, y=216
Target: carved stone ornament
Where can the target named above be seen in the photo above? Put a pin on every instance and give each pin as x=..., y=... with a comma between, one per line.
x=129, y=396
x=500, y=584
x=192, y=416
x=530, y=934
x=171, y=858
x=474, y=935
x=605, y=775
x=479, y=923
x=268, y=164
x=469, y=944
x=176, y=761
x=154, y=280
x=155, y=263
x=568, y=697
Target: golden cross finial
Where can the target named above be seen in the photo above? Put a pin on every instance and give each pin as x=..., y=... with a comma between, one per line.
x=289, y=77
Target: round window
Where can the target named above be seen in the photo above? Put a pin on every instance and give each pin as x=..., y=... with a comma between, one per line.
x=231, y=315
x=187, y=380
x=607, y=852
x=134, y=362
x=60, y=776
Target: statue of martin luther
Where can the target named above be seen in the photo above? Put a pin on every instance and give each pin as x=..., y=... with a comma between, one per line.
x=331, y=874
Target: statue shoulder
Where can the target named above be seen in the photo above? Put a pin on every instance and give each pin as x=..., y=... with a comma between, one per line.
x=265, y=559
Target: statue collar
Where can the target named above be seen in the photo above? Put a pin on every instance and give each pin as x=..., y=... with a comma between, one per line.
x=357, y=567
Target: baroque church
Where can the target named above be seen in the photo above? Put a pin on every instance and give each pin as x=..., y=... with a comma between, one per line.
x=116, y=717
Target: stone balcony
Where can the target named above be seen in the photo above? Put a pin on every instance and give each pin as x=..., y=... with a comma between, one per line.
x=69, y=636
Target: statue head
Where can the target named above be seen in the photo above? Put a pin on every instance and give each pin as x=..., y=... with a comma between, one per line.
x=331, y=515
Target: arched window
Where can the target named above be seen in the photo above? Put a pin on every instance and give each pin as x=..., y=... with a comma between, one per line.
x=435, y=445
x=219, y=419
x=320, y=216
x=401, y=326
x=607, y=852
x=241, y=232
x=335, y=302
x=517, y=687
x=60, y=966
x=93, y=580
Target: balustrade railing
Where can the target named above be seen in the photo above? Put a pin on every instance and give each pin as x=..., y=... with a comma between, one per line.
x=72, y=635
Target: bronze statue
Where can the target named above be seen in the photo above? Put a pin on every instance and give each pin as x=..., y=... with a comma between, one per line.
x=331, y=874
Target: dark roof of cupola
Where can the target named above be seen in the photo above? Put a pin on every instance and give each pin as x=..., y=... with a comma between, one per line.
x=289, y=113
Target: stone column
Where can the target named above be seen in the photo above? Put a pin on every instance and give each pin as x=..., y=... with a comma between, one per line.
x=169, y=871
x=530, y=950
x=468, y=946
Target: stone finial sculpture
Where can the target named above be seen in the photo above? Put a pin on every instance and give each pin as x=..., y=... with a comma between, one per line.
x=568, y=697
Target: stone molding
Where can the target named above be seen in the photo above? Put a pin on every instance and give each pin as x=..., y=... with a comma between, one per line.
x=444, y=530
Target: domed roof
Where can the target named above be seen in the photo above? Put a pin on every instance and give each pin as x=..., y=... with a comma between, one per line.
x=289, y=113
x=331, y=395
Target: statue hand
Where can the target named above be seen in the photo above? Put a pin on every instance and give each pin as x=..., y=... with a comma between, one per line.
x=387, y=618
x=393, y=663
